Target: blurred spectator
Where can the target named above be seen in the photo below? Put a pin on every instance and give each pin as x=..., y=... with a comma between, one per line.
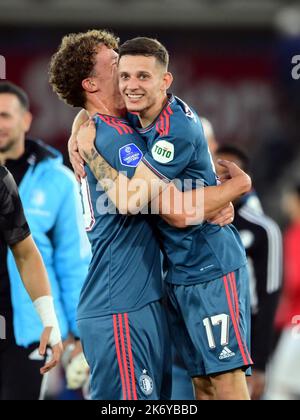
x=290, y=301
x=209, y=135
x=52, y=206
x=263, y=243
x=284, y=381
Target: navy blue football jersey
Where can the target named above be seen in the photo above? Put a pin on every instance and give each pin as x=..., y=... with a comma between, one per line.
x=177, y=149
x=125, y=271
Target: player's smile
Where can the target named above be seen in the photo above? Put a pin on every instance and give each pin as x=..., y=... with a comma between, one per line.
x=134, y=97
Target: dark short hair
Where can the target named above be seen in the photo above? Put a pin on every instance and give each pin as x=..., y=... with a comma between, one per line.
x=11, y=88
x=148, y=47
x=229, y=149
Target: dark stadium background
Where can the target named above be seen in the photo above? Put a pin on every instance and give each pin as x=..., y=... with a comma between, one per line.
x=232, y=61
x=237, y=75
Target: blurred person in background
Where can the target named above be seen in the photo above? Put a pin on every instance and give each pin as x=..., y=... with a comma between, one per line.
x=284, y=372
x=209, y=135
x=15, y=233
x=262, y=239
x=52, y=207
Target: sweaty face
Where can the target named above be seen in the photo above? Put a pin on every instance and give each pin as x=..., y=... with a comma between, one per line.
x=141, y=82
x=12, y=126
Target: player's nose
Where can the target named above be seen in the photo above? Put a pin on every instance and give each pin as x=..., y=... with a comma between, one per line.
x=132, y=84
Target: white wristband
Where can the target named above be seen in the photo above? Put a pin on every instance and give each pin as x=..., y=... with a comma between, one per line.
x=45, y=308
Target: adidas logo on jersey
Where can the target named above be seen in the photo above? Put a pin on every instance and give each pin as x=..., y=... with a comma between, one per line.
x=226, y=353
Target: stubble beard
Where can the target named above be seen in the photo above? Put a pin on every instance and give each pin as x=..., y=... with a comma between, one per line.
x=10, y=144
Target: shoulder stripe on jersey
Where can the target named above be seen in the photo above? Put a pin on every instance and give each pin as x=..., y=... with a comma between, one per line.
x=160, y=125
x=163, y=123
x=126, y=127
x=121, y=127
x=169, y=110
x=275, y=252
x=114, y=124
x=108, y=122
x=167, y=118
x=155, y=123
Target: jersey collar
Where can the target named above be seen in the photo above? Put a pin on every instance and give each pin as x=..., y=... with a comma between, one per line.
x=119, y=119
x=171, y=100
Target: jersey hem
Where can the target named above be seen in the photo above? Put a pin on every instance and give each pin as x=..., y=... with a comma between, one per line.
x=208, y=278
x=116, y=311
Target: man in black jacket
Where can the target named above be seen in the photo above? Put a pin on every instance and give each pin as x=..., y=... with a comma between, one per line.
x=15, y=233
x=50, y=198
x=262, y=239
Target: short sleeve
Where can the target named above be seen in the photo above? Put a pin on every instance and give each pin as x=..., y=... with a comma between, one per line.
x=120, y=145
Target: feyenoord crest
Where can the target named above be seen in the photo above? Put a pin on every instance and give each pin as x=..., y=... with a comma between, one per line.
x=146, y=383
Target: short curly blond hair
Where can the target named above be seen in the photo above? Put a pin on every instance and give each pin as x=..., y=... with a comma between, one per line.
x=74, y=61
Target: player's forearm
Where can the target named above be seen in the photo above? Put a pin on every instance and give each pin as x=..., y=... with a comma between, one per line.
x=178, y=209
x=101, y=169
x=31, y=269
x=182, y=209
x=108, y=177
x=128, y=195
x=216, y=198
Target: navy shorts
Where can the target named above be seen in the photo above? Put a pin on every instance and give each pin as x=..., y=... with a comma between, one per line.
x=129, y=354
x=210, y=323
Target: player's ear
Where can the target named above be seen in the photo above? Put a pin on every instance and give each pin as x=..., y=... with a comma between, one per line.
x=89, y=85
x=168, y=80
x=27, y=120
